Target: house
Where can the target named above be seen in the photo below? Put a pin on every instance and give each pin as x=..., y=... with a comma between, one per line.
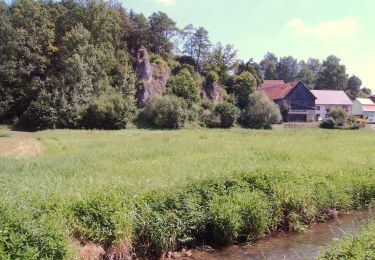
x=372, y=98
x=364, y=107
x=295, y=100
x=329, y=99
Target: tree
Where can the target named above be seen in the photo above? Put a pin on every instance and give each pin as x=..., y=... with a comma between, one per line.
x=268, y=66
x=27, y=46
x=252, y=67
x=332, y=75
x=184, y=86
x=244, y=85
x=163, y=29
x=354, y=87
x=305, y=74
x=287, y=69
x=139, y=32
x=260, y=112
x=197, y=44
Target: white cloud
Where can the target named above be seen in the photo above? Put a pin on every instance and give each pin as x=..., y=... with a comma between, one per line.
x=345, y=27
x=166, y=2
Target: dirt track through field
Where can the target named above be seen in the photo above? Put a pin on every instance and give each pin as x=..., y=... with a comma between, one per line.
x=19, y=144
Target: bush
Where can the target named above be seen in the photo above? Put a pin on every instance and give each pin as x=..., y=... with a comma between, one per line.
x=223, y=115
x=166, y=112
x=109, y=111
x=260, y=112
x=183, y=85
x=228, y=114
x=41, y=114
x=338, y=115
x=338, y=118
x=328, y=123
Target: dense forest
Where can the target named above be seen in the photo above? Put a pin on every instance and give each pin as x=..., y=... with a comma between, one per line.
x=98, y=65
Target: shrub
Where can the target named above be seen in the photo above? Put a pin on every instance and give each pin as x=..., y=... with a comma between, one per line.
x=166, y=112
x=328, y=123
x=41, y=114
x=210, y=118
x=260, y=112
x=183, y=85
x=228, y=114
x=109, y=111
x=338, y=115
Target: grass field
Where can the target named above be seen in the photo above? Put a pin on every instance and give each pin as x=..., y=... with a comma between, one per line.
x=115, y=188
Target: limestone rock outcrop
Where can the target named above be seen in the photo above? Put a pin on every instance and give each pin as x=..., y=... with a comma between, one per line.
x=152, y=78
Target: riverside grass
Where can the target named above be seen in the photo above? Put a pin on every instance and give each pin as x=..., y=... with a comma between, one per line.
x=146, y=192
x=361, y=246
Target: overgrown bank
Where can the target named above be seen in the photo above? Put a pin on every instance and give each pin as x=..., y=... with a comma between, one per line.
x=145, y=192
x=361, y=246
x=217, y=211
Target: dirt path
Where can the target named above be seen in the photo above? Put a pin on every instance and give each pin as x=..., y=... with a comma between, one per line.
x=19, y=144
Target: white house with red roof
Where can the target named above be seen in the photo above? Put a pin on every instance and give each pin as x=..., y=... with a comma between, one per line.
x=330, y=99
x=364, y=107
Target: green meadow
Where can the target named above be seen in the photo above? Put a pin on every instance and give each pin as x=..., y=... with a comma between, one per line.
x=143, y=192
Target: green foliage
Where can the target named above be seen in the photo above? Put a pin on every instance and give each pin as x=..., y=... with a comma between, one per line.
x=353, y=247
x=165, y=112
x=228, y=114
x=328, y=123
x=260, y=112
x=41, y=114
x=332, y=75
x=183, y=85
x=221, y=115
x=244, y=85
x=109, y=111
x=104, y=219
x=339, y=119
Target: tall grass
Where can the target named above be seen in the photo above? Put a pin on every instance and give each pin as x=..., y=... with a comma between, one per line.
x=146, y=192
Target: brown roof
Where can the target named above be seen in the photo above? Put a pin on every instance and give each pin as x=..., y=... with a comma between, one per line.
x=271, y=83
x=278, y=91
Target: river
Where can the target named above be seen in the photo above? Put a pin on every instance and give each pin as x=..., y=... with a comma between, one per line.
x=305, y=245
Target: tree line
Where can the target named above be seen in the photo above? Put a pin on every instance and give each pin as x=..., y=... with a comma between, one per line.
x=72, y=64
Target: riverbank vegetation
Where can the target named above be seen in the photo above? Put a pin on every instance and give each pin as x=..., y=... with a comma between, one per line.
x=361, y=246
x=146, y=192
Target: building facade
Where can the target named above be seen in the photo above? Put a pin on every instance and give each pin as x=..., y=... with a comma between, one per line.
x=328, y=100
x=295, y=100
x=364, y=107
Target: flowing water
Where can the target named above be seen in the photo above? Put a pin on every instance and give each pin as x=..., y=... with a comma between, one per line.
x=305, y=245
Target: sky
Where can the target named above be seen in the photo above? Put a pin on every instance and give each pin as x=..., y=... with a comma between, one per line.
x=301, y=28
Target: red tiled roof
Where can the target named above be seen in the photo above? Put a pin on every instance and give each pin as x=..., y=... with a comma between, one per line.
x=368, y=108
x=278, y=91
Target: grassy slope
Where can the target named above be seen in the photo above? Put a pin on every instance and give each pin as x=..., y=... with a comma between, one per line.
x=78, y=163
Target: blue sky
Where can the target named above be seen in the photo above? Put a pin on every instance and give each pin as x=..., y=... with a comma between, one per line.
x=301, y=28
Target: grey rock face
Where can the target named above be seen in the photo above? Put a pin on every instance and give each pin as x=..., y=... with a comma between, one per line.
x=152, y=78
